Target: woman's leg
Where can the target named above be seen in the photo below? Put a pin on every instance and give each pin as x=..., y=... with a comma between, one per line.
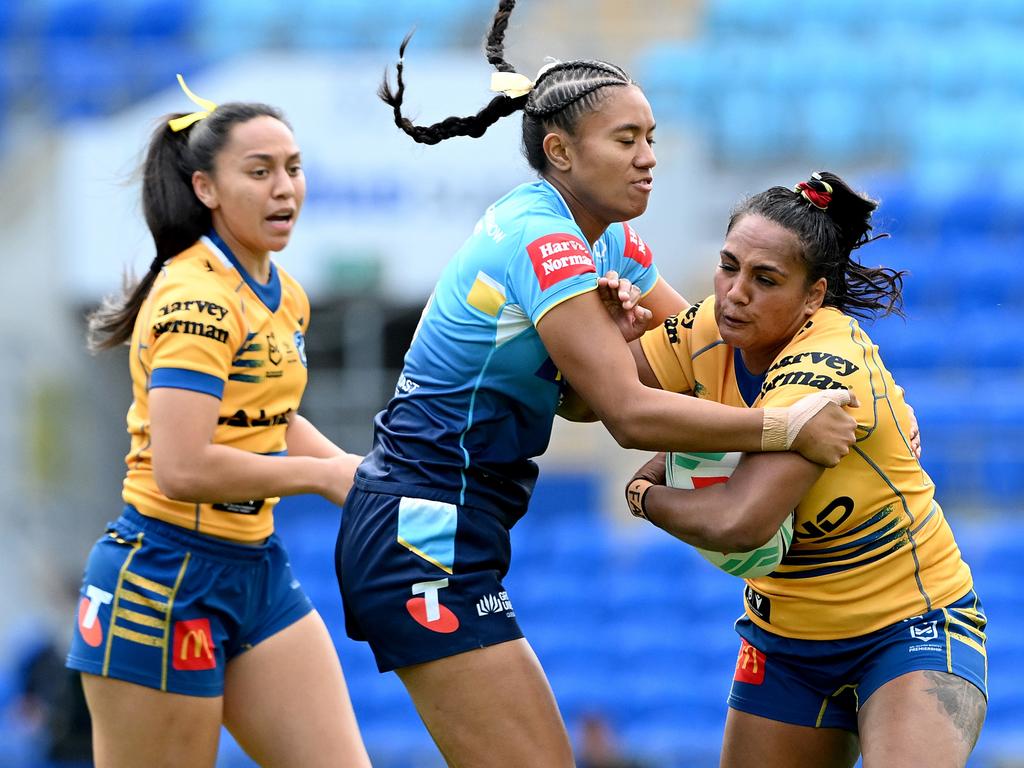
x=751, y=740
x=137, y=726
x=287, y=705
x=490, y=708
x=921, y=718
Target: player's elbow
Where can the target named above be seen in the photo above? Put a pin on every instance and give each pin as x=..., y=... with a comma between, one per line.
x=628, y=432
x=744, y=530
x=176, y=481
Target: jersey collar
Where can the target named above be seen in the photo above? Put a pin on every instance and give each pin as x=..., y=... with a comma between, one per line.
x=269, y=294
x=748, y=383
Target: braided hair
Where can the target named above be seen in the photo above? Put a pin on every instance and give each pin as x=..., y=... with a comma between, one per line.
x=831, y=221
x=563, y=92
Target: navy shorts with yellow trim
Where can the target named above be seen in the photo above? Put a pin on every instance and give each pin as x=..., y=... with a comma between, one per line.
x=421, y=579
x=167, y=608
x=823, y=683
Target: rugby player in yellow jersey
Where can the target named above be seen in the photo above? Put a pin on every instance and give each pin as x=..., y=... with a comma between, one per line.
x=190, y=616
x=869, y=637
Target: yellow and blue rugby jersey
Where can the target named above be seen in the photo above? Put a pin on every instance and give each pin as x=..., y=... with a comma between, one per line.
x=871, y=544
x=207, y=326
x=477, y=395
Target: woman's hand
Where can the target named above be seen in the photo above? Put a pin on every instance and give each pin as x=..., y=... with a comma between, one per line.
x=341, y=474
x=653, y=471
x=621, y=298
x=818, y=428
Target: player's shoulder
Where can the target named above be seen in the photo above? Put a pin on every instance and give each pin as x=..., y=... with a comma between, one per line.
x=700, y=318
x=195, y=274
x=623, y=239
x=829, y=329
x=828, y=352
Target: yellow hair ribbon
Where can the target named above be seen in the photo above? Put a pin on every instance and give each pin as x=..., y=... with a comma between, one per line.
x=183, y=122
x=512, y=84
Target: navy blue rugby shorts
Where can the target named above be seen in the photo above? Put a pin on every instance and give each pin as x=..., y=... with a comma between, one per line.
x=823, y=683
x=167, y=608
x=421, y=579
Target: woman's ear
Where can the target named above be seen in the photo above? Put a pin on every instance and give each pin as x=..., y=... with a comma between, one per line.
x=816, y=296
x=205, y=189
x=557, y=149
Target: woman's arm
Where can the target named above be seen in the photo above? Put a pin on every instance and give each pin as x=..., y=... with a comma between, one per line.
x=663, y=301
x=304, y=439
x=588, y=349
x=735, y=516
x=189, y=466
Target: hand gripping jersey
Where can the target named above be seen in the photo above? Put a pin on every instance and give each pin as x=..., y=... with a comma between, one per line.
x=871, y=545
x=207, y=326
x=478, y=393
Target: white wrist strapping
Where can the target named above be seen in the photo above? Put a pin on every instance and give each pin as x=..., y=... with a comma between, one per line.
x=782, y=425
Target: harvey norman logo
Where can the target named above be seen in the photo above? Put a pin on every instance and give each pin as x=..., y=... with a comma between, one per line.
x=559, y=256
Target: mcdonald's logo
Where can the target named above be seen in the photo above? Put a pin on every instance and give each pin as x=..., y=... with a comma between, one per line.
x=193, y=645
x=749, y=664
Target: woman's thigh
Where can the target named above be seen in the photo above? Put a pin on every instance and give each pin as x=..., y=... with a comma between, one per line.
x=921, y=718
x=490, y=708
x=133, y=725
x=286, y=702
x=751, y=740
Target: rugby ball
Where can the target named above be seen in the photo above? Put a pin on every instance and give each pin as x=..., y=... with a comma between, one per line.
x=698, y=470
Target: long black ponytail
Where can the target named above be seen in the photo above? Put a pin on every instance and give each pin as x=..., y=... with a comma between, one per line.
x=176, y=218
x=831, y=221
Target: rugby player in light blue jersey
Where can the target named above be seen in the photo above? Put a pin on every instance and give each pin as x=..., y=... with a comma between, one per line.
x=514, y=319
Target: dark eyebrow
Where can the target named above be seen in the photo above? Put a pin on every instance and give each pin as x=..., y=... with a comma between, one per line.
x=631, y=127
x=759, y=267
x=268, y=158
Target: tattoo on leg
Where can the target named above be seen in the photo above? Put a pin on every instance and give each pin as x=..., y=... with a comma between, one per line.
x=961, y=701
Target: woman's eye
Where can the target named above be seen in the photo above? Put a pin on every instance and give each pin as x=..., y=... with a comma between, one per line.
x=259, y=172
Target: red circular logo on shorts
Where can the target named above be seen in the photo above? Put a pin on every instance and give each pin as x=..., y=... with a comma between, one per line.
x=92, y=631
x=445, y=622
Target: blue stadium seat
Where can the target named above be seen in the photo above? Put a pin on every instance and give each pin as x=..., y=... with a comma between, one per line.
x=83, y=79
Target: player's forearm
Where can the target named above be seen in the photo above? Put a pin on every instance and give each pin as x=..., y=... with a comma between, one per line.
x=654, y=420
x=220, y=473
x=304, y=439
x=710, y=518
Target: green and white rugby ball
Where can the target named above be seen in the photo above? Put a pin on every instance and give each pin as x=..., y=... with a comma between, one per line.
x=699, y=470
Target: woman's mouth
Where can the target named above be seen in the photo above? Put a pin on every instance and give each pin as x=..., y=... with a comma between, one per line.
x=281, y=221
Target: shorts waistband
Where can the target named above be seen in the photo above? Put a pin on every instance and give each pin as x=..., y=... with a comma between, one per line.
x=507, y=517
x=200, y=542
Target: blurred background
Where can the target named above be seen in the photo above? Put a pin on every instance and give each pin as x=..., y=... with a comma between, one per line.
x=920, y=103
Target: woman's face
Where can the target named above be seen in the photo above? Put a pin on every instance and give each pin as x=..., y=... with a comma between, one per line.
x=761, y=293
x=612, y=156
x=257, y=187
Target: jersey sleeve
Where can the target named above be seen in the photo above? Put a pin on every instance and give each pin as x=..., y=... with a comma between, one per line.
x=193, y=333
x=631, y=257
x=551, y=267
x=668, y=349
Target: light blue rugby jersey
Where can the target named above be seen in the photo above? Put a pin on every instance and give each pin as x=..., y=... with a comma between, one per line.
x=478, y=393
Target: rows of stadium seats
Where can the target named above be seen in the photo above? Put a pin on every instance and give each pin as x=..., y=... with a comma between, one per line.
x=632, y=623
x=958, y=353
x=65, y=59
x=763, y=82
